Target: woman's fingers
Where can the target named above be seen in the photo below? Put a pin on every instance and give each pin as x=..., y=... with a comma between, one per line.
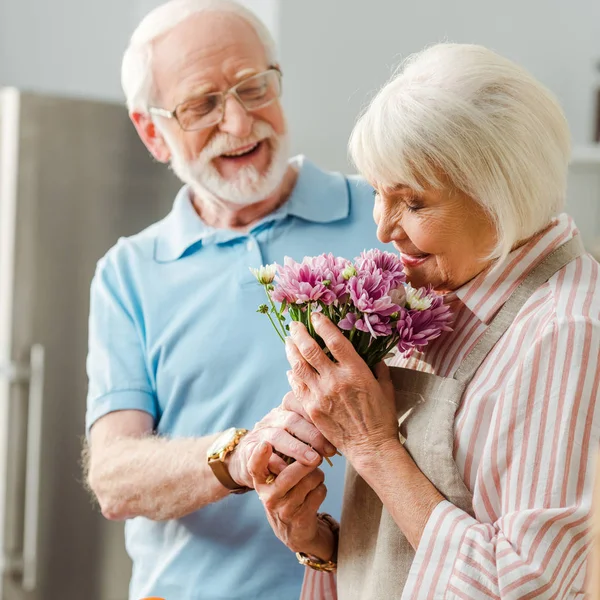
x=302, y=429
x=290, y=400
x=301, y=368
x=298, y=494
x=287, y=480
x=315, y=498
x=338, y=344
x=288, y=445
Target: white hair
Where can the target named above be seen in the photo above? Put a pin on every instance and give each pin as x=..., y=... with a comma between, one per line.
x=136, y=69
x=462, y=115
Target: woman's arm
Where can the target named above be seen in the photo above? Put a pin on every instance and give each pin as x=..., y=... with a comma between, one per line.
x=533, y=491
x=532, y=496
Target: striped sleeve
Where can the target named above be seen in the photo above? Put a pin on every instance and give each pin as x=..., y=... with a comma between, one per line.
x=318, y=586
x=533, y=490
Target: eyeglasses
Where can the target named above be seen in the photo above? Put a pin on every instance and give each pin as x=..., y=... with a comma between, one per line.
x=208, y=110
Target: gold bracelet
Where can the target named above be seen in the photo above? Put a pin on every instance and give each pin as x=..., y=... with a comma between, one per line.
x=328, y=566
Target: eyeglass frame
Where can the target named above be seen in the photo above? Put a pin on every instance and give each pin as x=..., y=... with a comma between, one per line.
x=172, y=114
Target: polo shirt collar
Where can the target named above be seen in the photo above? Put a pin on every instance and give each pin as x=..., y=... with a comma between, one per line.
x=318, y=197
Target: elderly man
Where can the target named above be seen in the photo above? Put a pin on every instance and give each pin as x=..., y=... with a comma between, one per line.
x=180, y=364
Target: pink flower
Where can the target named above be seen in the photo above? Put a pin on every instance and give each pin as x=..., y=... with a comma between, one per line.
x=390, y=265
x=369, y=292
x=315, y=279
x=417, y=328
x=374, y=324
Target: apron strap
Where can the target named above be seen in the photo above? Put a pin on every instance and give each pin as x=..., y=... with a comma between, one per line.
x=554, y=262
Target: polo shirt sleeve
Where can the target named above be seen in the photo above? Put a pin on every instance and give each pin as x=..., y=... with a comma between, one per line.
x=116, y=365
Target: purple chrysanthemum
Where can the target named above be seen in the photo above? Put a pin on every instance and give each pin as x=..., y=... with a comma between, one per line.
x=417, y=328
x=369, y=293
x=374, y=324
x=315, y=279
x=390, y=265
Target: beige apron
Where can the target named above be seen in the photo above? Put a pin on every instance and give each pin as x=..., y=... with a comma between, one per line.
x=374, y=557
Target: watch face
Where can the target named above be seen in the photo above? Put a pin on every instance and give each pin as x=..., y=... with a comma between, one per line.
x=222, y=441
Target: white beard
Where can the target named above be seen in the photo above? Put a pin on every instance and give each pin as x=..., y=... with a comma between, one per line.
x=249, y=186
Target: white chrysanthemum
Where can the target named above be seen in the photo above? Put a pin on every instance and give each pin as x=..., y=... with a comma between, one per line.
x=415, y=300
x=398, y=295
x=265, y=274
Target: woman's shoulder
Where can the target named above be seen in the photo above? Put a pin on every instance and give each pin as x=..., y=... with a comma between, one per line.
x=574, y=291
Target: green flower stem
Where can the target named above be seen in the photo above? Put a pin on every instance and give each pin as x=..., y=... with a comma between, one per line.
x=275, y=327
x=276, y=312
x=309, y=325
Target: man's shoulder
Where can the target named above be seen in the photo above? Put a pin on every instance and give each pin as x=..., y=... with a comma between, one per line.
x=133, y=250
x=360, y=190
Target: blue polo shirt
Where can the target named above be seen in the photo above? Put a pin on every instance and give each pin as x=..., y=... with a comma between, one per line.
x=174, y=332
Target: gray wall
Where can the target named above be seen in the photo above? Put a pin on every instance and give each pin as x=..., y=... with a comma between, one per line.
x=66, y=47
x=335, y=52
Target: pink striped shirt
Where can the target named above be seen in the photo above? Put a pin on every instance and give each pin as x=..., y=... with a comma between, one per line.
x=525, y=439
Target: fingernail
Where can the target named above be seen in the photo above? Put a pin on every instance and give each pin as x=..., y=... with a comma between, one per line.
x=263, y=447
x=329, y=448
x=294, y=326
x=316, y=317
x=311, y=455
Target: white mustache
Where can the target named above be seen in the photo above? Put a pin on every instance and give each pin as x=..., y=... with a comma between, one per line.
x=223, y=143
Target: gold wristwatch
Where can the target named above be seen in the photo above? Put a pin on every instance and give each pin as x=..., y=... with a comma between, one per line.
x=218, y=452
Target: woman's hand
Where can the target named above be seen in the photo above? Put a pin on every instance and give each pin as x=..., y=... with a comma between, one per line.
x=289, y=433
x=354, y=410
x=291, y=502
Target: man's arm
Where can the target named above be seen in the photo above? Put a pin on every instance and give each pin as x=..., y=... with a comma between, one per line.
x=135, y=473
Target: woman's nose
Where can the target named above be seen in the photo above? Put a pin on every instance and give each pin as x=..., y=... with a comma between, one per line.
x=389, y=223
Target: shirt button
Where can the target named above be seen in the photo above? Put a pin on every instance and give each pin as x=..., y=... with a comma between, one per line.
x=250, y=245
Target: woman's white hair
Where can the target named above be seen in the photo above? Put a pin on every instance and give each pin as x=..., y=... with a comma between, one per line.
x=136, y=69
x=462, y=115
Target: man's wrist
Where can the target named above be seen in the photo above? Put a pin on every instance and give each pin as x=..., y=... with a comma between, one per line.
x=218, y=456
x=232, y=464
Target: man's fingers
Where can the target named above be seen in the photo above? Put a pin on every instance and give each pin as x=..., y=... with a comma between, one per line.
x=276, y=464
x=258, y=463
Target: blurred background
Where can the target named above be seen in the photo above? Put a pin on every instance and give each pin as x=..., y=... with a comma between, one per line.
x=74, y=177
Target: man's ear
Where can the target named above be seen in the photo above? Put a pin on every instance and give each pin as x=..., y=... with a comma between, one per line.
x=152, y=138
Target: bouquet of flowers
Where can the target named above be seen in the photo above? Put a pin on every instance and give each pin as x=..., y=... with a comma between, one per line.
x=368, y=299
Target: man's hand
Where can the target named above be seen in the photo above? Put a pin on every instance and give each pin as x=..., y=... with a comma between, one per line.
x=286, y=432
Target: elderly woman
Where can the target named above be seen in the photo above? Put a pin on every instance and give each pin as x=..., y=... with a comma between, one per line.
x=470, y=464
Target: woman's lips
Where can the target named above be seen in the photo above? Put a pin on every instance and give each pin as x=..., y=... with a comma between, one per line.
x=411, y=260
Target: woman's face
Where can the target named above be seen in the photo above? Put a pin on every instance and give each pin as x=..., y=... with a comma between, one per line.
x=443, y=235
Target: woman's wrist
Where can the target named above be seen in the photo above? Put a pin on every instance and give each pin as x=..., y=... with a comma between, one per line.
x=324, y=545
x=375, y=454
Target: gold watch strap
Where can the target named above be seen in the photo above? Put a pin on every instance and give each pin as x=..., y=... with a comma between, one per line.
x=219, y=468
x=328, y=566
x=222, y=474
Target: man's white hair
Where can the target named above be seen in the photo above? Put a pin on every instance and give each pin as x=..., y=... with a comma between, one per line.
x=136, y=69
x=462, y=115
